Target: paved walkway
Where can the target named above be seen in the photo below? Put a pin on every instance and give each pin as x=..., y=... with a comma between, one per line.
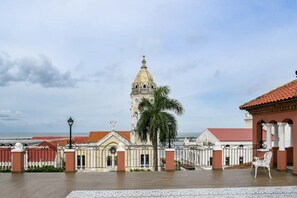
x=61, y=184
x=271, y=192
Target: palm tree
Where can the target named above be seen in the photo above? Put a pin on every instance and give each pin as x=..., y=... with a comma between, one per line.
x=157, y=117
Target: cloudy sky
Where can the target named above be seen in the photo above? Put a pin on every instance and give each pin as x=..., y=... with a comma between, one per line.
x=78, y=58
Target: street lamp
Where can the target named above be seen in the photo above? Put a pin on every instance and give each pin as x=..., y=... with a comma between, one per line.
x=70, y=122
x=169, y=140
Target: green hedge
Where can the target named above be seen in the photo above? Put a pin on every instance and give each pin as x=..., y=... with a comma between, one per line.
x=44, y=169
x=5, y=170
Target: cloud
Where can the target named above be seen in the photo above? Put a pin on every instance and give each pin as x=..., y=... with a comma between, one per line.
x=38, y=70
x=8, y=115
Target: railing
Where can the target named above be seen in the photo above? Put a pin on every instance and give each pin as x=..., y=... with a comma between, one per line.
x=141, y=158
x=5, y=158
x=137, y=158
x=104, y=159
x=194, y=156
x=237, y=156
x=40, y=156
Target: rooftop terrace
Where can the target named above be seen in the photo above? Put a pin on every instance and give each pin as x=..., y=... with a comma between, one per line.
x=61, y=184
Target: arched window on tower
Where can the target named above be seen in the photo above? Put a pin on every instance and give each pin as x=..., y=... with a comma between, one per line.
x=144, y=86
x=136, y=86
x=152, y=86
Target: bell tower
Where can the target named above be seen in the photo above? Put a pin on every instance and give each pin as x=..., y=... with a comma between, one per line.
x=142, y=87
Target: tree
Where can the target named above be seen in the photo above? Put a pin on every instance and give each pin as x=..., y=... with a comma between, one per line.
x=157, y=116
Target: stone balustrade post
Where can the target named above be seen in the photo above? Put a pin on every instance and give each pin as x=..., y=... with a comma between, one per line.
x=217, y=156
x=70, y=160
x=169, y=156
x=121, y=158
x=17, y=162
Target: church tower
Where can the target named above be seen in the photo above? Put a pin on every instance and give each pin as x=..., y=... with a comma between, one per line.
x=142, y=87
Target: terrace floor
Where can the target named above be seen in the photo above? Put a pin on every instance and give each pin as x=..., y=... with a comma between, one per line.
x=61, y=184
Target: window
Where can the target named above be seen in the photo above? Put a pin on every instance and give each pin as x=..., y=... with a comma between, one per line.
x=81, y=161
x=136, y=86
x=227, y=161
x=240, y=160
x=144, y=86
x=147, y=160
x=210, y=161
x=144, y=160
x=109, y=161
x=113, y=150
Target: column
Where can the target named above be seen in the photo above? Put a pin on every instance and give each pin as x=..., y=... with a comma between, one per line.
x=70, y=160
x=275, y=144
x=291, y=135
x=268, y=135
x=290, y=146
x=17, y=162
x=93, y=158
x=217, y=157
x=169, y=156
x=281, y=153
x=121, y=158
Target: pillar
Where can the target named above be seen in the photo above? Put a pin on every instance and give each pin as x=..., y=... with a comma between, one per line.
x=121, y=158
x=275, y=145
x=217, y=157
x=17, y=162
x=70, y=160
x=289, y=149
x=268, y=136
x=281, y=153
x=169, y=156
x=291, y=135
x=295, y=147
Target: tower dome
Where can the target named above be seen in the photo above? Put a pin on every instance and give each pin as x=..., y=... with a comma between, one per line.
x=142, y=87
x=144, y=82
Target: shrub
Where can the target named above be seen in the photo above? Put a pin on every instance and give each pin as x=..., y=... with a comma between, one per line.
x=48, y=168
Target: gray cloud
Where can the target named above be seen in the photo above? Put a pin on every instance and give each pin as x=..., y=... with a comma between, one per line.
x=32, y=70
x=8, y=115
x=112, y=72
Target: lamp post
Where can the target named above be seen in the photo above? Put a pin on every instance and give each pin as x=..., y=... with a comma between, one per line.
x=70, y=122
x=169, y=139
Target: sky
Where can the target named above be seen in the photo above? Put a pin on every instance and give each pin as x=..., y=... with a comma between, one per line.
x=62, y=58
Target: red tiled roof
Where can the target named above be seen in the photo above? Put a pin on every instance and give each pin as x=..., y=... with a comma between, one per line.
x=51, y=146
x=81, y=140
x=124, y=134
x=234, y=134
x=96, y=136
x=60, y=142
x=285, y=92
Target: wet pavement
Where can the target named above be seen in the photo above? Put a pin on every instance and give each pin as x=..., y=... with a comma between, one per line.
x=61, y=184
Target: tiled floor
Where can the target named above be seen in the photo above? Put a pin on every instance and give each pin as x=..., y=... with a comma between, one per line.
x=271, y=192
x=58, y=185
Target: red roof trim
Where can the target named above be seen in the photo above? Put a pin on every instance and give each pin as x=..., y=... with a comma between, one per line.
x=282, y=93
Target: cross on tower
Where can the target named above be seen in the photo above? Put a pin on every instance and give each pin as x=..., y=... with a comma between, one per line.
x=113, y=123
